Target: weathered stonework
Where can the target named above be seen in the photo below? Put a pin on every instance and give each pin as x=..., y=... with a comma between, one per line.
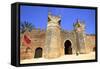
x=52, y=43
x=55, y=42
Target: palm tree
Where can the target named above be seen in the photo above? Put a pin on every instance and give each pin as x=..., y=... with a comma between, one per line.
x=26, y=26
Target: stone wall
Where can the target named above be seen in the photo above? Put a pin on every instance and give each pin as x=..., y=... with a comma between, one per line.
x=90, y=43
x=38, y=41
x=65, y=35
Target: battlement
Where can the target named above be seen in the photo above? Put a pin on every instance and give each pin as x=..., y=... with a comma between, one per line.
x=54, y=20
x=38, y=29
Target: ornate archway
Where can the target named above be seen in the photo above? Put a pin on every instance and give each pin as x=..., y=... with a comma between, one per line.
x=38, y=53
x=67, y=47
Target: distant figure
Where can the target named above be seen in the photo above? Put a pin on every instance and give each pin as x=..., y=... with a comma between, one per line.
x=77, y=53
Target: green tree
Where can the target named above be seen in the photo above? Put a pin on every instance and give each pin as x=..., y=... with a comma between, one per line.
x=26, y=26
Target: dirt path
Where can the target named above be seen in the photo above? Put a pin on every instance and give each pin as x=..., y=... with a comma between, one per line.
x=62, y=58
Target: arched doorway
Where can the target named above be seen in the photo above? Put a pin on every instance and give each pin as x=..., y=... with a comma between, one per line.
x=38, y=53
x=68, y=48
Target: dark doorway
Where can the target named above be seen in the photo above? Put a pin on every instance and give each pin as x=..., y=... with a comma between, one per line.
x=38, y=53
x=94, y=48
x=68, y=49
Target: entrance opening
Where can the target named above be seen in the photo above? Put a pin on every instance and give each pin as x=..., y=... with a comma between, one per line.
x=38, y=53
x=68, y=48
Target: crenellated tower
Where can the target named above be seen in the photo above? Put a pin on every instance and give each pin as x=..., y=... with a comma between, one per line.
x=80, y=36
x=53, y=40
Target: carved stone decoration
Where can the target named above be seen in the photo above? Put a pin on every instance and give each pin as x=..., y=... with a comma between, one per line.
x=80, y=35
x=52, y=44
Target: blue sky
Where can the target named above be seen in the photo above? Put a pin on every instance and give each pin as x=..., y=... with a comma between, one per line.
x=38, y=16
